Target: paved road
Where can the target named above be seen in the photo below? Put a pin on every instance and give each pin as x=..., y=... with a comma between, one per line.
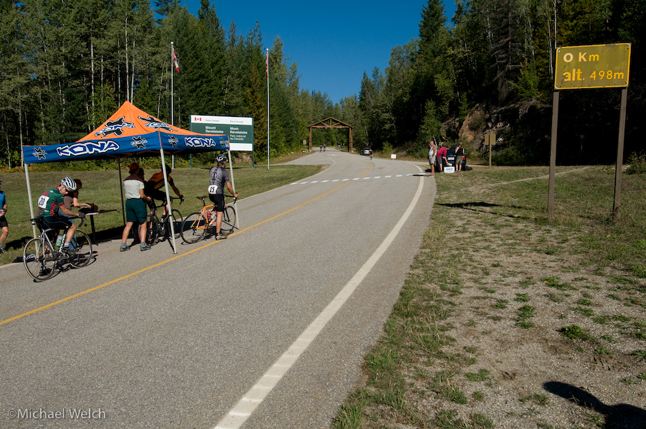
x=266, y=329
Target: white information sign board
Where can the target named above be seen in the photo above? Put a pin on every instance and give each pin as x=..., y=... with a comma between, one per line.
x=239, y=129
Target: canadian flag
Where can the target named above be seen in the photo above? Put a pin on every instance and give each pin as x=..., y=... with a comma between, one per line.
x=175, y=61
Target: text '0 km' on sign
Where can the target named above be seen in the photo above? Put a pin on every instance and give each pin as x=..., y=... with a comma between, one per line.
x=594, y=66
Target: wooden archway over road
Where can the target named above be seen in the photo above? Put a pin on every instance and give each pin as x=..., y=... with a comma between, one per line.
x=331, y=123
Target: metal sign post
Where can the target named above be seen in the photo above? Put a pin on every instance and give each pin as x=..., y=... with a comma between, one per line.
x=552, y=180
x=490, y=138
x=620, y=152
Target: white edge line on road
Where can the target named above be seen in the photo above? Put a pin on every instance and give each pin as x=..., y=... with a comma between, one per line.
x=245, y=406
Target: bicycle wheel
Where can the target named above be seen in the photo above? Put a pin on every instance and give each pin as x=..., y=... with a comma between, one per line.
x=193, y=228
x=228, y=220
x=83, y=247
x=177, y=224
x=39, y=259
x=152, y=235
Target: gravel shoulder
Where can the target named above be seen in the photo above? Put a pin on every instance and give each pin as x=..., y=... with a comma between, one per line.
x=506, y=322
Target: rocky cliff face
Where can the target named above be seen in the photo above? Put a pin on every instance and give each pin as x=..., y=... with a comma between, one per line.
x=519, y=124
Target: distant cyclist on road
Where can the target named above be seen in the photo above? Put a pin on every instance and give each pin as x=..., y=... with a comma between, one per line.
x=154, y=185
x=50, y=207
x=219, y=177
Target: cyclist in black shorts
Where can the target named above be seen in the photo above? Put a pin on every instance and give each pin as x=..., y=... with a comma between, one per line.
x=156, y=182
x=51, y=207
x=219, y=177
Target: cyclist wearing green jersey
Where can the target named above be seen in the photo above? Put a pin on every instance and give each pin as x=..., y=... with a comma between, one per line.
x=51, y=207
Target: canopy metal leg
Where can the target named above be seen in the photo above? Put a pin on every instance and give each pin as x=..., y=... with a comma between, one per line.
x=170, y=209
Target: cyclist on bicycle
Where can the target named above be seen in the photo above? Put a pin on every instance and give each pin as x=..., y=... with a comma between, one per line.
x=219, y=176
x=154, y=185
x=51, y=207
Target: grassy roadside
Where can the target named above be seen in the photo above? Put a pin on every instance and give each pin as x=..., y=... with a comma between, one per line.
x=507, y=321
x=102, y=189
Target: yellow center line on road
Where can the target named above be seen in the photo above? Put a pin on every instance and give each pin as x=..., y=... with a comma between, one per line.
x=60, y=301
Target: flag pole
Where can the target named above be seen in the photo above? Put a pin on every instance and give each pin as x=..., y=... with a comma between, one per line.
x=172, y=110
x=267, y=74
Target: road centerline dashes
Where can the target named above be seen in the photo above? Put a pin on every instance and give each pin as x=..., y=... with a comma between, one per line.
x=354, y=179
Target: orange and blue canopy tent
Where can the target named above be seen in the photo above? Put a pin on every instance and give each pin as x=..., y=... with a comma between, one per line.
x=129, y=132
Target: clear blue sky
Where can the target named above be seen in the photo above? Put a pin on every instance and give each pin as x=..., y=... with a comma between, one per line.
x=334, y=42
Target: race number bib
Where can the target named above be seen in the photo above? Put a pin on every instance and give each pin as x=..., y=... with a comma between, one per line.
x=42, y=201
x=213, y=189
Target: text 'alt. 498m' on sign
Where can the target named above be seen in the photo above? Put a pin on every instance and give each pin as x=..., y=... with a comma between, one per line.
x=594, y=66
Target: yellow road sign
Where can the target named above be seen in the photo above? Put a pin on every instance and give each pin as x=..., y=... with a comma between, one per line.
x=594, y=66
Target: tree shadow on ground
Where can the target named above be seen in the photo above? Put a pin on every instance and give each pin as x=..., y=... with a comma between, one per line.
x=473, y=206
x=620, y=416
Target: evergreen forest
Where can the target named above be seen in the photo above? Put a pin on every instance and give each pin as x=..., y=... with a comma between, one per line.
x=66, y=66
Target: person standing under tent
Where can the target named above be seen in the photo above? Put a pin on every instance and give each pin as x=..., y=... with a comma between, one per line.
x=71, y=200
x=140, y=173
x=219, y=177
x=135, y=208
x=4, y=226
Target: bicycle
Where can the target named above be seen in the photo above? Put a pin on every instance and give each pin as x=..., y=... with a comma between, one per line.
x=41, y=259
x=158, y=230
x=198, y=225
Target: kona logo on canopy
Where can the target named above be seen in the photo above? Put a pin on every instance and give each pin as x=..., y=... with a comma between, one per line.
x=199, y=142
x=88, y=148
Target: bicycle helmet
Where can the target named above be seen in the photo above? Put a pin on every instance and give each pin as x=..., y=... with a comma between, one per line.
x=221, y=158
x=69, y=183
